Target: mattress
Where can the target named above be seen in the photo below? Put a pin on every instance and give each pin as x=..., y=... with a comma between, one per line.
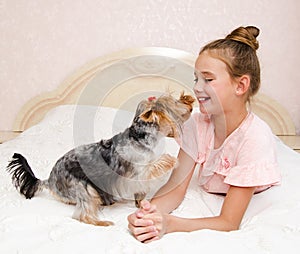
x=45, y=225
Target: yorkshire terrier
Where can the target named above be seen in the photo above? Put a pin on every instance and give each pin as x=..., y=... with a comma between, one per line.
x=102, y=173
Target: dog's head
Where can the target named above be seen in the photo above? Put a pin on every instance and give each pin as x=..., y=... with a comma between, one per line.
x=167, y=112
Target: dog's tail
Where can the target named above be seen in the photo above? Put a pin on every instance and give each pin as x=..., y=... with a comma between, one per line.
x=23, y=177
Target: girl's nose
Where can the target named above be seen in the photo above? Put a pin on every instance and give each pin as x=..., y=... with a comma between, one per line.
x=199, y=85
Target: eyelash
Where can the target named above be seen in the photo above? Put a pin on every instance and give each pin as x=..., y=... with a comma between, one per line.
x=206, y=80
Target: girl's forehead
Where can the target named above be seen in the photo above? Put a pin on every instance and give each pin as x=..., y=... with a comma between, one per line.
x=207, y=64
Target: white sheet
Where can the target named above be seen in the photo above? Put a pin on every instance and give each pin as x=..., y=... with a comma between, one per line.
x=44, y=225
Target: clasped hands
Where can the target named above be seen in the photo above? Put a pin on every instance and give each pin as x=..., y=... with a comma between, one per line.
x=147, y=224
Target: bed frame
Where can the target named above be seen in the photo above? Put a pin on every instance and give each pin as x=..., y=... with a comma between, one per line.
x=123, y=78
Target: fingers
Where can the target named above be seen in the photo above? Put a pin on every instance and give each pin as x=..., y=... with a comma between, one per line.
x=144, y=234
x=141, y=223
x=147, y=206
x=142, y=229
x=151, y=240
x=137, y=222
x=147, y=238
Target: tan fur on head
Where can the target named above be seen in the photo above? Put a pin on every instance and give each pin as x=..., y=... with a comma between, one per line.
x=187, y=99
x=166, y=125
x=169, y=113
x=151, y=116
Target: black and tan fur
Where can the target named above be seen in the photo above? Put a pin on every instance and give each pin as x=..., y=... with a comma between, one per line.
x=105, y=172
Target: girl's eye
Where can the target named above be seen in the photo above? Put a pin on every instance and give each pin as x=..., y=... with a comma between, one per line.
x=204, y=80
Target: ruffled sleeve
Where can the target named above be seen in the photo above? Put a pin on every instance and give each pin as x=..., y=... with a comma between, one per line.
x=253, y=175
x=256, y=163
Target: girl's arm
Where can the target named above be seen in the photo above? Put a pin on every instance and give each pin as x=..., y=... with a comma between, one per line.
x=233, y=209
x=232, y=212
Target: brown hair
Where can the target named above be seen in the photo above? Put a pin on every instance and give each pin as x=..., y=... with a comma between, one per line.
x=238, y=51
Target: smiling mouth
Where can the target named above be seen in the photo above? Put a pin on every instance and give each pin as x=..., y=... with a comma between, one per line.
x=202, y=99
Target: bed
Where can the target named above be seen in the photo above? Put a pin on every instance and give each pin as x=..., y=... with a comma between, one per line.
x=97, y=101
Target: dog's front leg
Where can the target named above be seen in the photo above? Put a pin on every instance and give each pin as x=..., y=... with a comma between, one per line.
x=161, y=166
x=156, y=169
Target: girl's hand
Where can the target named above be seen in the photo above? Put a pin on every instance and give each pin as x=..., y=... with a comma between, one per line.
x=142, y=227
x=159, y=222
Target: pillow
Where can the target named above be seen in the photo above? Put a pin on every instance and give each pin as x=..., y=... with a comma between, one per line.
x=74, y=125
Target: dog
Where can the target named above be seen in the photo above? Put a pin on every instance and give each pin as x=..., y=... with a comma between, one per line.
x=99, y=174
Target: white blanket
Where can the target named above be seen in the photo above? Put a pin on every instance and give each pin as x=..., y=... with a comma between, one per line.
x=44, y=225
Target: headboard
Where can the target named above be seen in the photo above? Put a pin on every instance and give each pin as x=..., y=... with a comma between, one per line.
x=121, y=79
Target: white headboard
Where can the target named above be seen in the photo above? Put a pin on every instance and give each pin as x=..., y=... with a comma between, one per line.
x=121, y=79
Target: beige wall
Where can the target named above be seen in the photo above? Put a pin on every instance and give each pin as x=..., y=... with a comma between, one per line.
x=42, y=42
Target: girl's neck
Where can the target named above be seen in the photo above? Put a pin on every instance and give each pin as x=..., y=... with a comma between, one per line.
x=225, y=124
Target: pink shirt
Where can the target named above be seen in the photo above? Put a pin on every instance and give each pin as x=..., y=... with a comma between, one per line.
x=247, y=158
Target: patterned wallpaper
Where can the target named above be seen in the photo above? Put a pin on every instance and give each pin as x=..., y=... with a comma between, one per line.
x=42, y=42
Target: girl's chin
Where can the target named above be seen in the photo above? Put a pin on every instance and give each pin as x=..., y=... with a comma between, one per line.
x=203, y=109
x=209, y=109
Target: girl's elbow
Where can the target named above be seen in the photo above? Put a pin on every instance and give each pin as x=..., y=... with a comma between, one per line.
x=232, y=226
x=229, y=225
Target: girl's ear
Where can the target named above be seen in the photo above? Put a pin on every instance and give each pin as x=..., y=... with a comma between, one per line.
x=242, y=85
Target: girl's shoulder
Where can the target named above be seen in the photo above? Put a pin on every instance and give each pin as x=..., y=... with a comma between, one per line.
x=256, y=128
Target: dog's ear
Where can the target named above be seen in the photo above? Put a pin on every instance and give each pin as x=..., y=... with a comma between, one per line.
x=166, y=125
x=168, y=128
x=142, y=106
x=187, y=99
x=150, y=116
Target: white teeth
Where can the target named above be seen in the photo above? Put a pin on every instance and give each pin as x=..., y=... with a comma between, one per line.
x=203, y=98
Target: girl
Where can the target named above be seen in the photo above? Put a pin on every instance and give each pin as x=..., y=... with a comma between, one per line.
x=234, y=148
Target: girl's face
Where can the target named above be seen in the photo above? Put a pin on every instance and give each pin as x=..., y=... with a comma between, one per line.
x=214, y=88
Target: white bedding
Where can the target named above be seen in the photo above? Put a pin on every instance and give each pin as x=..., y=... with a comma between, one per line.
x=44, y=225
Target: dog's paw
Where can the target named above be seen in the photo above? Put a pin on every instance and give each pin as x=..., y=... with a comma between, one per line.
x=105, y=223
x=160, y=167
x=138, y=197
x=168, y=162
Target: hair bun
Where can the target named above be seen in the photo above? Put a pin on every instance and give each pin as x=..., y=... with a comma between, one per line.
x=245, y=35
